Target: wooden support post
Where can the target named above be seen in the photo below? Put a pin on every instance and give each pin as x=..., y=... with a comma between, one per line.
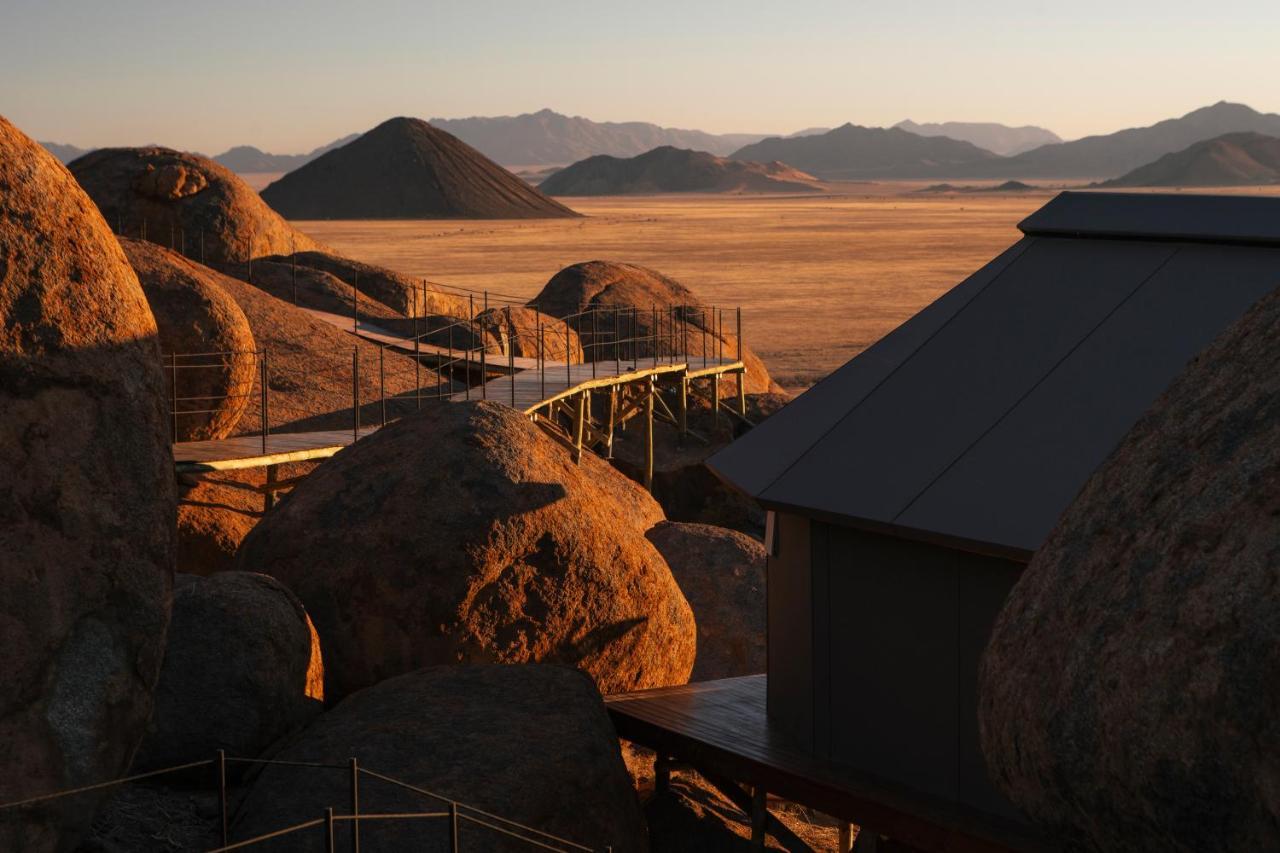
x=845, y=843
x=648, y=434
x=613, y=413
x=579, y=422
x=759, y=815
x=269, y=496
x=684, y=406
x=742, y=392
x=661, y=773
x=715, y=397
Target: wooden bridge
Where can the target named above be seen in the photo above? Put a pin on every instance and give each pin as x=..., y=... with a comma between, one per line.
x=579, y=404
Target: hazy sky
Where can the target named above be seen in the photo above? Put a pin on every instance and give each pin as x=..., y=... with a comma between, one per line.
x=288, y=76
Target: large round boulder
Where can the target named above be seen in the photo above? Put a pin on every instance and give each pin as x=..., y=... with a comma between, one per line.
x=465, y=534
x=721, y=573
x=531, y=744
x=406, y=295
x=1130, y=689
x=189, y=203
x=527, y=333
x=87, y=502
x=695, y=329
x=215, y=512
x=242, y=668
x=208, y=346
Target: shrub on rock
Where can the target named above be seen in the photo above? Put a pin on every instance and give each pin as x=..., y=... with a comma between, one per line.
x=532, y=744
x=87, y=502
x=1130, y=688
x=465, y=534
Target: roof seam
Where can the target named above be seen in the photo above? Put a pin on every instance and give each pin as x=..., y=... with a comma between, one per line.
x=1048, y=373
x=891, y=373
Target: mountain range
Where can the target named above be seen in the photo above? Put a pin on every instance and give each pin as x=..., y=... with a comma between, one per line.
x=673, y=170
x=997, y=138
x=246, y=158
x=852, y=152
x=1235, y=159
x=551, y=138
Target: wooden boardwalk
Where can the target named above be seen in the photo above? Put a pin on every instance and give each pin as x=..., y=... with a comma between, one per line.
x=722, y=729
x=254, y=451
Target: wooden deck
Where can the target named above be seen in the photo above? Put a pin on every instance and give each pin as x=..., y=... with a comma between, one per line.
x=229, y=454
x=722, y=727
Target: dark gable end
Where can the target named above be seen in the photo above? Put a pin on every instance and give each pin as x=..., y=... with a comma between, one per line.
x=977, y=421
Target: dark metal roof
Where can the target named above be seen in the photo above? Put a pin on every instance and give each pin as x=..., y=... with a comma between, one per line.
x=978, y=420
x=1242, y=219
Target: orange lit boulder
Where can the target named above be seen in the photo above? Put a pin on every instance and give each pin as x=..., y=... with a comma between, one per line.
x=404, y=294
x=242, y=668
x=465, y=534
x=86, y=501
x=526, y=333
x=695, y=329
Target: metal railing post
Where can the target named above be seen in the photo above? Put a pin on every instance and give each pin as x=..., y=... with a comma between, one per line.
x=329, y=841
x=542, y=362
x=595, y=340
x=568, y=376
x=739, y=332
x=262, y=365
x=355, y=316
x=484, y=367
x=222, y=794
x=720, y=339
x=453, y=827
x=511, y=359
x=355, y=393
x=704, y=336
x=355, y=806
x=173, y=357
x=655, y=335
x=617, y=341
x=417, y=351
x=293, y=257
x=382, y=381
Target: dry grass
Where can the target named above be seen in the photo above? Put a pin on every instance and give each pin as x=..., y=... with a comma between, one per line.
x=819, y=279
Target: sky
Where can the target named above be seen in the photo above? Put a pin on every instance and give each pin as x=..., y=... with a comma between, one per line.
x=287, y=76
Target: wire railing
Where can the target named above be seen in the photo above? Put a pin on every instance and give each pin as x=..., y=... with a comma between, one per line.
x=451, y=813
x=390, y=373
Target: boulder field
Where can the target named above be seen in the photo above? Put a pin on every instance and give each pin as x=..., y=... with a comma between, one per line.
x=87, y=506
x=466, y=534
x=1128, y=695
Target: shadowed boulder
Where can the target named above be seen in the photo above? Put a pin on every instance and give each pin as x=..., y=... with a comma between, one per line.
x=489, y=544
x=1130, y=687
x=242, y=668
x=87, y=502
x=721, y=573
x=182, y=199
x=206, y=337
x=608, y=285
x=532, y=744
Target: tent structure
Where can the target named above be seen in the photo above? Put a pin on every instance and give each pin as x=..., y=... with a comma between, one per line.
x=908, y=490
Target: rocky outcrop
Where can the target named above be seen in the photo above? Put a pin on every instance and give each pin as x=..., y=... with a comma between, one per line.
x=491, y=545
x=681, y=324
x=205, y=337
x=721, y=573
x=318, y=290
x=526, y=333
x=402, y=293
x=215, y=513
x=1129, y=690
x=530, y=744
x=242, y=668
x=87, y=505
x=186, y=202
